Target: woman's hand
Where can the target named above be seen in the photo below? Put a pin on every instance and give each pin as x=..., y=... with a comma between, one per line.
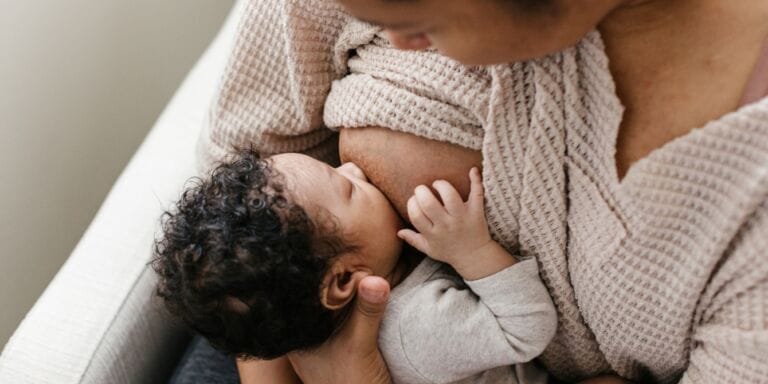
x=352, y=355
x=276, y=371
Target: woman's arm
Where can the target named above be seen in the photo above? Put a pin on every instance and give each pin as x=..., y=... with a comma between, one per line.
x=276, y=81
x=277, y=371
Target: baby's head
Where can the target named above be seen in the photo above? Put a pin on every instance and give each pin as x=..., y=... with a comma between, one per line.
x=263, y=256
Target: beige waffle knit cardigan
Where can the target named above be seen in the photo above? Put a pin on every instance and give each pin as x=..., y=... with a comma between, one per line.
x=662, y=276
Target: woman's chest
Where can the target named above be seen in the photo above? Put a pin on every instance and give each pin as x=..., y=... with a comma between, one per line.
x=641, y=252
x=649, y=124
x=635, y=289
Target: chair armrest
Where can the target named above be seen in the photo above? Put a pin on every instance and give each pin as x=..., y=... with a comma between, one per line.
x=97, y=321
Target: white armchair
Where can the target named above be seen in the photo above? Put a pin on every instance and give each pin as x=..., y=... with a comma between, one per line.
x=97, y=321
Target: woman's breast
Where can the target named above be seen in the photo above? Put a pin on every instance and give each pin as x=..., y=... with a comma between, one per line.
x=398, y=162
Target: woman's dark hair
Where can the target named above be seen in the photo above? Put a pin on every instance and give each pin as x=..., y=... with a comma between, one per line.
x=242, y=265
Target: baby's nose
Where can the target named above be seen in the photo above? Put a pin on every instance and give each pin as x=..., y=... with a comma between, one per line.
x=352, y=170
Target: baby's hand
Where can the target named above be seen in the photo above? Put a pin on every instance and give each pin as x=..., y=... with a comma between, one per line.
x=451, y=232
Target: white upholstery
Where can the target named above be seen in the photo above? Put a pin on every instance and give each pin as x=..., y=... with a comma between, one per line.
x=97, y=321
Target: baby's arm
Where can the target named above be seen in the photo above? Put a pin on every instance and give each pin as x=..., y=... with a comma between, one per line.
x=447, y=330
x=500, y=315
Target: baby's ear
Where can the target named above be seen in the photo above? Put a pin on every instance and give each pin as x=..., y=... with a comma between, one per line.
x=339, y=285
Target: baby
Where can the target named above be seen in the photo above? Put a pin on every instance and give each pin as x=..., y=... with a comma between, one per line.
x=264, y=257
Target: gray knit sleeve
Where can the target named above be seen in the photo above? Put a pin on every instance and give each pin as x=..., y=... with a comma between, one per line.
x=450, y=331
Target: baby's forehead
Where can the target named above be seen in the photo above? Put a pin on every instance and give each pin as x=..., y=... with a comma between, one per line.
x=305, y=180
x=296, y=161
x=313, y=194
x=300, y=171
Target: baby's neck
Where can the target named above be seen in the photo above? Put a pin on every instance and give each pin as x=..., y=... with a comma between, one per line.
x=409, y=259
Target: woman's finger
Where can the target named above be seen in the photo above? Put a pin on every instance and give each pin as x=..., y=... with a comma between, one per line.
x=452, y=201
x=370, y=303
x=429, y=204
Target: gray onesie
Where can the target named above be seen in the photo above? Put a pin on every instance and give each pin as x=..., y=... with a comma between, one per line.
x=439, y=328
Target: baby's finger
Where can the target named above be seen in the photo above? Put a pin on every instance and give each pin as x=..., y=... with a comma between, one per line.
x=414, y=238
x=450, y=196
x=476, y=189
x=416, y=215
x=429, y=204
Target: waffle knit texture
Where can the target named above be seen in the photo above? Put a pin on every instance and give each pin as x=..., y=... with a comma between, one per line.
x=661, y=276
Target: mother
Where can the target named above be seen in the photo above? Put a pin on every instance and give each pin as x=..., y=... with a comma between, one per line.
x=652, y=236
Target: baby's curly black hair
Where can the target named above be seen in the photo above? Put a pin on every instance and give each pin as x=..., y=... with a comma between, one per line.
x=242, y=264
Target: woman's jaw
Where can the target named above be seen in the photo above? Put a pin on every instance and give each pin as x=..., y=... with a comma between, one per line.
x=484, y=32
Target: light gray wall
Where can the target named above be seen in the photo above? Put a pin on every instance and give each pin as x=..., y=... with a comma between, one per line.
x=81, y=82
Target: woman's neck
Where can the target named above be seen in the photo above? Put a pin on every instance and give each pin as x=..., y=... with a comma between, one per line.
x=680, y=41
x=678, y=64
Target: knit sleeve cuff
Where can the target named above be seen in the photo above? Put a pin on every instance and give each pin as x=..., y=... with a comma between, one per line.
x=422, y=93
x=519, y=283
